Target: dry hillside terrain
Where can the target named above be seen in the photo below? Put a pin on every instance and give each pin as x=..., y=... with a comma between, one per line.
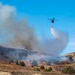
x=7, y=68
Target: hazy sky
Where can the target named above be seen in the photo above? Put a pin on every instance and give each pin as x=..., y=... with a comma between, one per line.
x=37, y=12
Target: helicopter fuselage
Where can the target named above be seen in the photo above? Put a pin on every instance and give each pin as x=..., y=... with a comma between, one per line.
x=52, y=21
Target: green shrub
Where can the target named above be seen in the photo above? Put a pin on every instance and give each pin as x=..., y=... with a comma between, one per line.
x=21, y=63
x=42, y=67
x=37, y=69
x=48, y=70
x=68, y=70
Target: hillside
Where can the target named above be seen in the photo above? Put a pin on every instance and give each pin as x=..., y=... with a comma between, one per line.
x=9, y=67
x=14, y=54
x=12, y=68
x=71, y=54
x=23, y=54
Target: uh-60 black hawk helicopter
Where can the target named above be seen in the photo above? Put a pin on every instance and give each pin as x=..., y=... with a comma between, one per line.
x=52, y=20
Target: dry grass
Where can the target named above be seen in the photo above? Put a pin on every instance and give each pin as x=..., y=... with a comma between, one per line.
x=19, y=70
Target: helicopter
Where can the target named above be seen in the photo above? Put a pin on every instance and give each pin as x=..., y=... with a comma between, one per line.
x=52, y=20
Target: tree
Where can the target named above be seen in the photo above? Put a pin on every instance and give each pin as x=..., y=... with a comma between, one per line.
x=42, y=67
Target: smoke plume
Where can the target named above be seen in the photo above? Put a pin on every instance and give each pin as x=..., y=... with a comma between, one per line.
x=51, y=47
x=57, y=44
x=18, y=34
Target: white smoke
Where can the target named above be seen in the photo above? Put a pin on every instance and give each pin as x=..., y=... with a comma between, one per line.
x=57, y=44
x=15, y=33
x=51, y=47
x=20, y=34
x=43, y=57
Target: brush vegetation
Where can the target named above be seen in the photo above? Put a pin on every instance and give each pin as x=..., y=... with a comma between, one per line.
x=68, y=70
x=21, y=63
x=48, y=70
x=42, y=67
